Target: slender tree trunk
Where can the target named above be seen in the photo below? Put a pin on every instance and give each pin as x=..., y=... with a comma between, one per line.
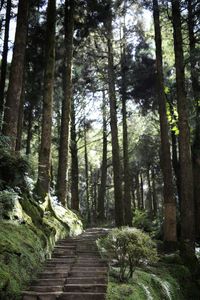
x=102, y=188
x=29, y=130
x=149, y=195
x=66, y=105
x=186, y=175
x=44, y=166
x=4, y=60
x=142, y=191
x=21, y=117
x=127, y=190
x=74, y=163
x=119, y=220
x=16, y=75
x=154, y=195
x=87, y=176
x=196, y=94
x=138, y=195
x=170, y=235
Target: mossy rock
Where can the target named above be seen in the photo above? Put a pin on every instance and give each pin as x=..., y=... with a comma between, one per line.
x=26, y=240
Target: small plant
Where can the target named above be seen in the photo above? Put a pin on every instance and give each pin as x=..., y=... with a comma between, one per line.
x=7, y=202
x=141, y=220
x=128, y=248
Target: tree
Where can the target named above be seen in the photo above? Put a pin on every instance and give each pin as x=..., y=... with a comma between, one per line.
x=16, y=75
x=169, y=197
x=127, y=190
x=186, y=176
x=66, y=105
x=44, y=165
x=4, y=59
x=74, y=162
x=102, y=188
x=119, y=218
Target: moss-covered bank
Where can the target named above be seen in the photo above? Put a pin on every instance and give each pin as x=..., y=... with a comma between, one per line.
x=166, y=281
x=27, y=237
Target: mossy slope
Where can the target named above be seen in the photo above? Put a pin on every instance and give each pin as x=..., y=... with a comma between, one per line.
x=27, y=238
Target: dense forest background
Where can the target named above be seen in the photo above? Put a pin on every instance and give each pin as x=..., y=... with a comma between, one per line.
x=99, y=108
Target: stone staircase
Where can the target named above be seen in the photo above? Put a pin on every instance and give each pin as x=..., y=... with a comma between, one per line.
x=75, y=271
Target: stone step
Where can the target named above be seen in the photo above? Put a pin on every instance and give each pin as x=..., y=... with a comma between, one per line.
x=61, y=254
x=90, y=264
x=49, y=282
x=87, y=280
x=81, y=296
x=46, y=289
x=53, y=274
x=58, y=264
x=87, y=274
x=29, y=295
x=90, y=269
x=83, y=287
x=61, y=269
x=64, y=247
x=61, y=259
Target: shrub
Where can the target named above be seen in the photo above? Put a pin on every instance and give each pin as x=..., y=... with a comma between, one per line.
x=128, y=248
x=13, y=170
x=7, y=202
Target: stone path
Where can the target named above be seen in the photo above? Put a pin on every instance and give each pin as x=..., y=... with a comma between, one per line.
x=75, y=271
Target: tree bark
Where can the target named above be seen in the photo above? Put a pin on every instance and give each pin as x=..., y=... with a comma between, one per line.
x=66, y=105
x=142, y=191
x=29, y=130
x=44, y=164
x=186, y=175
x=87, y=175
x=4, y=60
x=21, y=117
x=16, y=75
x=119, y=218
x=154, y=195
x=170, y=235
x=149, y=195
x=127, y=189
x=74, y=163
x=196, y=95
x=102, y=188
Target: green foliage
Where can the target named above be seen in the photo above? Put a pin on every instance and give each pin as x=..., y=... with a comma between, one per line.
x=7, y=202
x=128, y=248
x=141, y=220
x=154, y=283
x=13, y=170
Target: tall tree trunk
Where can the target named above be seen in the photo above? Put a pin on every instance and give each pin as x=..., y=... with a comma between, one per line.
x=74, y=163
x=87, y=175
x=127, y=189
x=16, y=75
x=102, y=188
x=142, y=191
x=66, y=105
x=196, y=94
x=21, y=117
x=44, y=165
x=4, y=60
x=170, y=235
x=119, y=219
x=149, y=195
x=138, y=195
x=154, y=196
x=29, y=130
x=186, y=175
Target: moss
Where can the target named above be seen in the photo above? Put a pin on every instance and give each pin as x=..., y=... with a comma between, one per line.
x=26, y=242
x=153, y=284
x=21, y=252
